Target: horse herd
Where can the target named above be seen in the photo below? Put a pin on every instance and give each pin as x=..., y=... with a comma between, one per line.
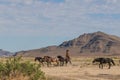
x=61, y=61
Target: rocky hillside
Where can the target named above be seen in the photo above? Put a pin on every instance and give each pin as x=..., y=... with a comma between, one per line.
x=4, y=53
x=97, y=42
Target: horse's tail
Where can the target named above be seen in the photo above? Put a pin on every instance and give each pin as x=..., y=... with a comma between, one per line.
x=112, y=62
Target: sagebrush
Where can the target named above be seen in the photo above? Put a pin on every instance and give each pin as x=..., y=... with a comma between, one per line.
x=13, y=69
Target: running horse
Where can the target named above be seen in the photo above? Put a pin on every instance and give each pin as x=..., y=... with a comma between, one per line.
x=49, y=60
x=40, y=60
x=62, y=60
x=104, y=61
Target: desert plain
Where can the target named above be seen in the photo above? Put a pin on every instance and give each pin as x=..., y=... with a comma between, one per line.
x=83, y=69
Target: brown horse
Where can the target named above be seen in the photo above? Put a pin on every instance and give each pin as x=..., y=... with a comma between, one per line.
x=49, y=60
x=62, y=60
x=40, y=60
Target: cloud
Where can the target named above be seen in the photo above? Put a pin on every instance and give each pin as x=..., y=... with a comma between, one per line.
x=54, y=1
x=46, y=22
x=57, y=17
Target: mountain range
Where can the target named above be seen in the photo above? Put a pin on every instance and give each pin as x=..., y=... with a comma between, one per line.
x=4, y=53
x=97, y=43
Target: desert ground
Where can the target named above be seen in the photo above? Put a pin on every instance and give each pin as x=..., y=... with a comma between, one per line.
x=80, y=69
x=83, y=69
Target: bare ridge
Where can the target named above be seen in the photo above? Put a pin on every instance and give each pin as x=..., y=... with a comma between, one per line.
x=88, y=43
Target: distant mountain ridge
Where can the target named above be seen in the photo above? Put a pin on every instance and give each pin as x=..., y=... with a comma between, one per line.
x=4, y=53
x=97, y=42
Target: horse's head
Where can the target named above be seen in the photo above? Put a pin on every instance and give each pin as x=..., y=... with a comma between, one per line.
x=35, y=59
x=94, y=61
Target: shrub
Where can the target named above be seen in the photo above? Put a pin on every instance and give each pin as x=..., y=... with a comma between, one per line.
x=13, y=68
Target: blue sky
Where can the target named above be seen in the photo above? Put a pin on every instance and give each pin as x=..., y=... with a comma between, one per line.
x=32, y=24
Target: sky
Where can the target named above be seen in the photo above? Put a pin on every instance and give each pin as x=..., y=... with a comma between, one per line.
x=32, y=24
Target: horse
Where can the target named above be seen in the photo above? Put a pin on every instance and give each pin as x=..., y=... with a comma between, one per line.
x=63, y=60
x=103, y=61
x=49, y=60
x=40, y=60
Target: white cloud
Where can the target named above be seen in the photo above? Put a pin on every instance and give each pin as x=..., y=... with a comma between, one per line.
x=34, y=17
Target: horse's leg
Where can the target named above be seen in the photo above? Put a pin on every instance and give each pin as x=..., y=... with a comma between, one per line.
x=48, y=64
x=70, y=61
x=99, y=65
x=113, y=62
x=61, y=63
x=57, y=63
x=109, y=65
x=42, y=63
x=102, y=66
x=66, y=62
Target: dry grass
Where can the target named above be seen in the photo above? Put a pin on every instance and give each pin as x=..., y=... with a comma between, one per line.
x=81, y=69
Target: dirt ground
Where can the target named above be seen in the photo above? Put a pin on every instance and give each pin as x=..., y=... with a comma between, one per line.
x=83, y=70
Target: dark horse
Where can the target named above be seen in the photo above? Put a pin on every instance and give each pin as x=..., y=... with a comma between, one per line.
x=40, y=59
x=62, y=60
x=104, y=61
x=49, y=60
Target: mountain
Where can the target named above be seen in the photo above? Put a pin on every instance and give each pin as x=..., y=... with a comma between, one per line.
x=86, y=44
x=4, y=53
